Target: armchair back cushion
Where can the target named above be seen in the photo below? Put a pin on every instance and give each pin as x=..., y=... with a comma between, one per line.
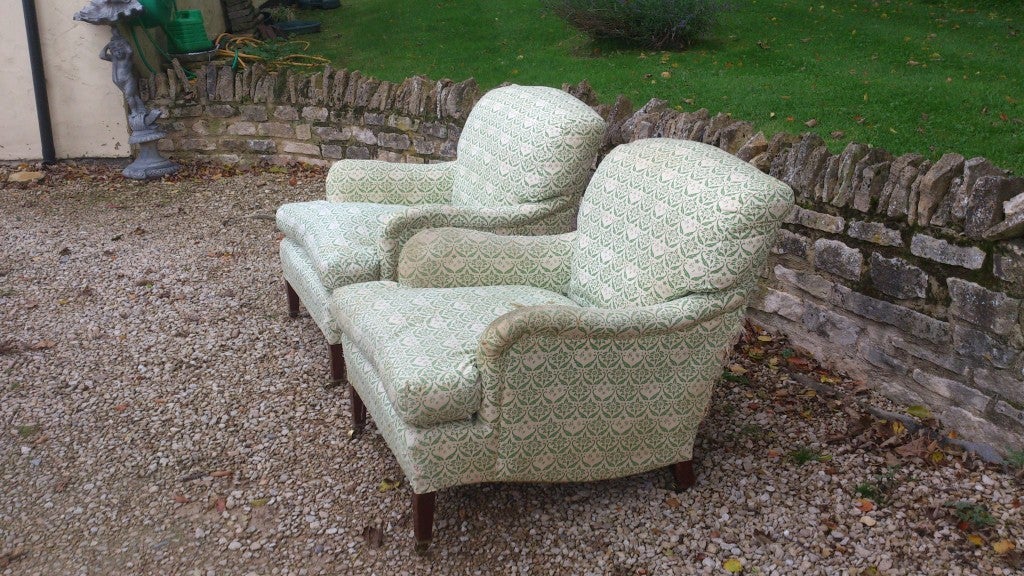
x=638, y=246
x=524, y=144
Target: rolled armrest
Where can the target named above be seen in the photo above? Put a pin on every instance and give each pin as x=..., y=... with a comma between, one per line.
x=504, y=219
x=382, y=182
x=451, y=257
x=581, y=323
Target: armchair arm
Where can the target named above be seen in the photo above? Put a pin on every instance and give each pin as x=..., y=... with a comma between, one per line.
x=500, y=220
x=579, y=323
x=451, y=257
x=382, y=182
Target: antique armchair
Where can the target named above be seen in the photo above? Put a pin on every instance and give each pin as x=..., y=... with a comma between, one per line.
x=582, y=356
x=523, y=160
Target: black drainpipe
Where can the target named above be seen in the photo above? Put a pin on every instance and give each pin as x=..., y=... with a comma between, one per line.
x=35, y=57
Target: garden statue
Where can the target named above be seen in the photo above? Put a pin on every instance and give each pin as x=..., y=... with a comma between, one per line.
x=142, y=122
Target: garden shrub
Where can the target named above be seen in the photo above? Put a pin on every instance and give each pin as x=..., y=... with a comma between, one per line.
x=658, y=24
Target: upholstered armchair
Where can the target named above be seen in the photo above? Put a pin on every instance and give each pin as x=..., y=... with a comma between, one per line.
x=522, y=162
x=574, y=357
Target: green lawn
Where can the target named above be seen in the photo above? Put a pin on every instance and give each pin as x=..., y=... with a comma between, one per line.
x=923, y=76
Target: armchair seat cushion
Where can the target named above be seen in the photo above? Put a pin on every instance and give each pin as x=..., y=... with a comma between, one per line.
x=340, y=239
x=424, y=342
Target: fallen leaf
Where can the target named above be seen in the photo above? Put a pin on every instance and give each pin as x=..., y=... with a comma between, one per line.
x=388, y=484
x=220, y=473
x=811, y=123
x=733, y=566
x=737, y=369
x=865, y=505
x=121, y=407
x=1003, y=546
x=672, y=502
x=181, y=499
x=220, y=504
x=975, y=539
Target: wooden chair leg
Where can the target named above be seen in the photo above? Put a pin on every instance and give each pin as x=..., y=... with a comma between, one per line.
x=683, y=474
x=423, y=519
x=358, y=410
x=293, y=300
x=337, y=365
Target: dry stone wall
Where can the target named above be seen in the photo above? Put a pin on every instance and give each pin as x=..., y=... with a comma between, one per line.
x=900, y=271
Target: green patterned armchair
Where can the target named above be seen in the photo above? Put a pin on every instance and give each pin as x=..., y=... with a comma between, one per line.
x=523, y=161
x=575, y=357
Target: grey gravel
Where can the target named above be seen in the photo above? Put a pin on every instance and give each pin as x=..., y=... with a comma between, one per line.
x=161, y=414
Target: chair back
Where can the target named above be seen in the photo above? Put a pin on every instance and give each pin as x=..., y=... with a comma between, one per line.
x=664, y=218
x=525, y=144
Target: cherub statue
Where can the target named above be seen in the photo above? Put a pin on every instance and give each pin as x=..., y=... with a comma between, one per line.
x=119, y=53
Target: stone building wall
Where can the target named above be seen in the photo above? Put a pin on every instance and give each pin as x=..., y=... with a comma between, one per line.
x=900, y=271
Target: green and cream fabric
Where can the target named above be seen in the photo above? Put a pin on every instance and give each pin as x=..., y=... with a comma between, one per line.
x=523, y=161
x=537, y=373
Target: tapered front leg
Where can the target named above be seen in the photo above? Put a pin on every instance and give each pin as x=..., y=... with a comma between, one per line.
x=683, y=474
x=293, y=300
x=358, y=410
x=423, y=519
x=337, y=365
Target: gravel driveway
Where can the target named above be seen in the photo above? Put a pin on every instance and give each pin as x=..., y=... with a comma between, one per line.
x=161, y=414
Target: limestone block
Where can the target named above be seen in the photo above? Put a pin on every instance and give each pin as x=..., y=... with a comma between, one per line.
x=868, y=185
x=224, y=90
x=816, y=220
x=806, y=164
x=980, y=347
x=985, y=203
x=1012, y=227
x=383, y=97
x=938, y=250
x=435, y=129
x=413, y=95
x=251, y=113
x=974, y=169
x=874, y=232
x=813, y=284
x=911, y=321
x=953, y=391
x=935, y=185
x=193, y=144
x=315, y=113
x=755, y=145
x=394, y=141
x=895, y=196
x=357, y=152
x=898, y=278
x=1014, y=205
x=839, y=176
x=288, y=113
x=941, y=356
x=791, y=243
x=303, y=131
x=304, y=148
x=781, y=303
x=980, y=430
x=824, y=323
x=735, y=135
x=1008, y=411
x=837, y=258
x=332, y=134
x=364, y=136
x=1008, y=261
x=879, y=358
x=714, y=128
x=276, y=130
x=1008, y=384
x=334, y=151
x=220, y=110
x=992, y=311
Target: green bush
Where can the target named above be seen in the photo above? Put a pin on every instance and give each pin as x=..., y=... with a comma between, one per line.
x=657, y=24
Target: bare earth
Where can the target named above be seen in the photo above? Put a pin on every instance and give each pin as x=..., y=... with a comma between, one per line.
x=161, y=414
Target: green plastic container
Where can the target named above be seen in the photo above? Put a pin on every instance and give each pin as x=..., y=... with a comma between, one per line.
x=186, y=34
x=155, y=13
